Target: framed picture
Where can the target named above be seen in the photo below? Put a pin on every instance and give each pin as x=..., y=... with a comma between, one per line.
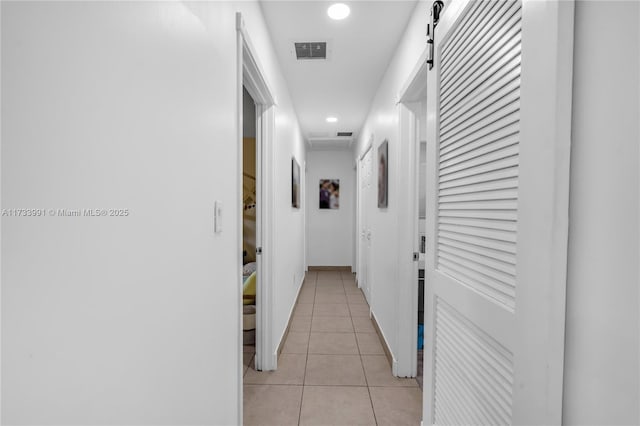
x=330, y=194
x=295, y=184
x=383, y=174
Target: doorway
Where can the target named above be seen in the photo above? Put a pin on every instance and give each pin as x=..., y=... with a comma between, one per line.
x=250, y=274
x=411, y=229
x=422, y=241
x=365, y=199
x=251, y=82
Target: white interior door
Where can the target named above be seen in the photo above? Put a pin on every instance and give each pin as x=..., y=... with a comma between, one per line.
x=361, y=226
x=366, y=198
x=369, y=199
x=498, y=117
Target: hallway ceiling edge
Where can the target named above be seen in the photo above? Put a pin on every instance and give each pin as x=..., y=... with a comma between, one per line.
x=358, y=52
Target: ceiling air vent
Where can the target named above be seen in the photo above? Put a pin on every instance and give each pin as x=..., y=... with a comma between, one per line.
x=311, y=50
x=347, y=134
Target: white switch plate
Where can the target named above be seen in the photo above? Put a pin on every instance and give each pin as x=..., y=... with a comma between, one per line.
x=217, y=217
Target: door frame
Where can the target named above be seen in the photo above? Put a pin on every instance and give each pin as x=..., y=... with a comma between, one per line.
x=250, y=75
x=303, y=200
x=409, y=111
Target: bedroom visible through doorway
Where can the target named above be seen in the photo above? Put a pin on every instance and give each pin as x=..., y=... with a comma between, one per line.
x=250, y=277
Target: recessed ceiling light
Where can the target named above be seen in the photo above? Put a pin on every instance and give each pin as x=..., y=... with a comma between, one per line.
x=332, y=119
x=338, y=11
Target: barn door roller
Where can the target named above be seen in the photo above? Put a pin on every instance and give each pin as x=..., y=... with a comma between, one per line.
x=434, y=18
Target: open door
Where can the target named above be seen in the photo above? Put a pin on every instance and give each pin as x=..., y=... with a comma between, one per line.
x=365, y=177
x=251, y=78
x=498, y=117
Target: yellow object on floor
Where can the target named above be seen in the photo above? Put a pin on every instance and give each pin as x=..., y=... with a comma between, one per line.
x=249, y=290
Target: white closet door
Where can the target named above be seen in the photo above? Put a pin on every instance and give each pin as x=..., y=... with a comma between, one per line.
x=366, y=172
x=362, y=222
x=498, y=115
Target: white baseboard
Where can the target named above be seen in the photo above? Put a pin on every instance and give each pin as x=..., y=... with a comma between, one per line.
x=385, y=344
x=285, y=332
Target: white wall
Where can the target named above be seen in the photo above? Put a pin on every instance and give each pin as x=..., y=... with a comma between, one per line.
x=602, y=358
x=289, y=223
x=121, y=320
x=330, y=232
x=383, y=123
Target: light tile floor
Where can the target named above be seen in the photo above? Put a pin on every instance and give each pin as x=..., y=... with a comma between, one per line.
x=332, y=370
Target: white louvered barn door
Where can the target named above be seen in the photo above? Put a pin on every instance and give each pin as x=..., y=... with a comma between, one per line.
x=498, y=117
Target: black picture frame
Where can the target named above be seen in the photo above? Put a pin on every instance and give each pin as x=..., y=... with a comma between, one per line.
x=295, y=184
x=383, y=174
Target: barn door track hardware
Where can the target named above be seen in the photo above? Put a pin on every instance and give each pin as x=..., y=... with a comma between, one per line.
x=434, y=18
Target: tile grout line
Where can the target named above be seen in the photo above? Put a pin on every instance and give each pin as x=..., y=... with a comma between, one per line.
x=311, y=400
x=353, y=332
x=306, y=363
x=364, y=372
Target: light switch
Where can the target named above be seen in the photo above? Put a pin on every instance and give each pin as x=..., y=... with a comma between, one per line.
x=217, y=217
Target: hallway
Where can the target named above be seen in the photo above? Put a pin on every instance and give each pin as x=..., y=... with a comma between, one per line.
x=332, y=369
x=494, y=145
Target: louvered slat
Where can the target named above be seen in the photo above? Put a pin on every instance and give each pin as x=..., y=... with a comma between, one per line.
x=470, y=22
x=485, y=76
x=498, y=150
x=508, y=175
x=505, y=126
x=488, y=49
x=498, y=255
x=493, y=362
x=504, y=87
x=489, y=261
x=480, y=373
x=485, y=138
x=477, y=172
x=497, y=194
x=473, y=372
x=469, y=411
x=480, y=223
x=498, y=295
x=493, y=185
x=499, y=290
x=488, y=38
x=481, y=250
x=494, y=234
x=478, y=151
x=490, y=243
x=499, y=114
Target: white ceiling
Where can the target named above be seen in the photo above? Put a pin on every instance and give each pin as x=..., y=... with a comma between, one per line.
x=359, y=50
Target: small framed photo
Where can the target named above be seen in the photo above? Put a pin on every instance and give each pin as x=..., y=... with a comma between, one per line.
x=295, y=184
x=330, y=194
